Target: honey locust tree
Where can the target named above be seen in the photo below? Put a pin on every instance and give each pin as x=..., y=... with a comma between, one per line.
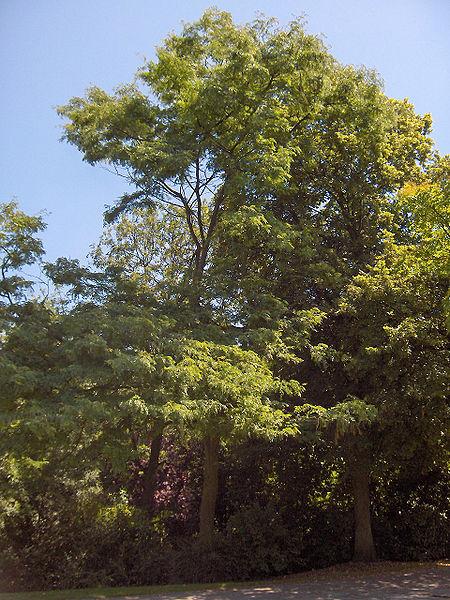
x=208, y=126
x=218, y=391
x=223, y=393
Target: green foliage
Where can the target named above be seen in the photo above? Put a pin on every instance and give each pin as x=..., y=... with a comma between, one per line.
x=421, y=502
x=208, y=124
x=93, y=540
x=19, y=247
x=228, y=390
x=274, y=286
x=147, y=252
x=348, y=418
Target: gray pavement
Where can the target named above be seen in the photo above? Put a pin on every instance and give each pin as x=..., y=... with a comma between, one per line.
x=407, y=585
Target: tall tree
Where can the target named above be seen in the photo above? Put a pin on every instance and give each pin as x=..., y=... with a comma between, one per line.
x=300, y=248
x=388, y=349
x=209, y=126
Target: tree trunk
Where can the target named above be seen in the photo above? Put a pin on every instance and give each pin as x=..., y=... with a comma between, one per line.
x=209, y=491
x=364, y=548
x=147, y=499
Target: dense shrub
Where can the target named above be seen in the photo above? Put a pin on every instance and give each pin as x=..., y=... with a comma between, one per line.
x=282, y=509
x=412, y=516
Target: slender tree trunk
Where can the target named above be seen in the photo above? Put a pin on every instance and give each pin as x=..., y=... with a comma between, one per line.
x=210, y=490
x=203, y=242
x=147, y=500
x=364, y=548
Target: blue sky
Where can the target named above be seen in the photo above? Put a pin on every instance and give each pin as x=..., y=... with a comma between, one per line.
x=51, y=50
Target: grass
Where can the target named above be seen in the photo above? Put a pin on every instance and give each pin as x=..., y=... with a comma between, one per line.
x=109, y=592
x=330, y=573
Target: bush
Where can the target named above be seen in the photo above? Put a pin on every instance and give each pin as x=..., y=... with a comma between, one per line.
x=411, y=520
x=281, y=509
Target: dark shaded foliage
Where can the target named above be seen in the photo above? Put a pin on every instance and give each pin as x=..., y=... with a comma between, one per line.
x=284, y=508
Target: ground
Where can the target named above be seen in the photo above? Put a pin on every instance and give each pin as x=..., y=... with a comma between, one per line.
x=378, y=581
x=409, y=584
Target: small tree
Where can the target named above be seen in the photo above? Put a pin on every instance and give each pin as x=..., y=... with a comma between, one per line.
x=227, y=394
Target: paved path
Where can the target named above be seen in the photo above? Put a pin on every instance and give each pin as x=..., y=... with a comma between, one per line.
x=428, y=583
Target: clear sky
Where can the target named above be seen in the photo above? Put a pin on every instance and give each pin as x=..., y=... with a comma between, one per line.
x=51, y=50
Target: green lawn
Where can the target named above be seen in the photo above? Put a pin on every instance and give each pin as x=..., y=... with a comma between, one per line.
x=100, y=593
